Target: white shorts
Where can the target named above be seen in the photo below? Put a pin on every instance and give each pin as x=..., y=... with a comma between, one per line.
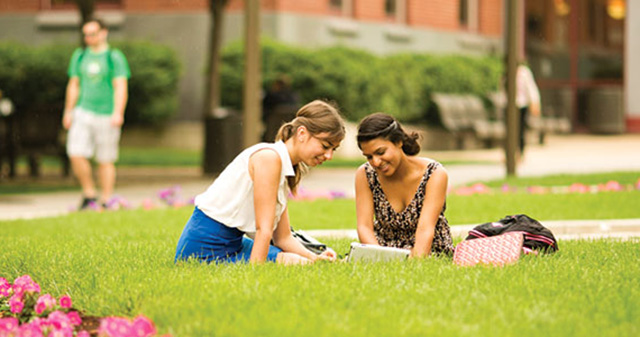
x=92, y=134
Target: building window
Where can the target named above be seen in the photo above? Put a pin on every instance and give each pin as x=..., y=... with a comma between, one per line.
x=390, y=8
x=464, y=13
x=335, y=5
x=69, y=4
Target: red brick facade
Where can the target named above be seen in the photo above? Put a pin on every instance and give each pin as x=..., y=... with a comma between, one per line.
x=490, y=17
x=371, y=10
x=436, y=14
x=164, y=5
x=19, y=6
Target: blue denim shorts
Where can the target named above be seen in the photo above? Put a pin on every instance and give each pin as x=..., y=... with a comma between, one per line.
x=211, y=241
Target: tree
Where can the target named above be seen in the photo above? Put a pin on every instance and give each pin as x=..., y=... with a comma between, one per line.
x=215, y=152
x=212, y=82
x=86, y=8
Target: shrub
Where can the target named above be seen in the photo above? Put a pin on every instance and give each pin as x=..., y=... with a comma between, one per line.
x=153, y=88
x=360, y=82
x=33, y=77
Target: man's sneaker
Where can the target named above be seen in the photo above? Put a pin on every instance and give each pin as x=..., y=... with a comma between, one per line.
x=88, y=203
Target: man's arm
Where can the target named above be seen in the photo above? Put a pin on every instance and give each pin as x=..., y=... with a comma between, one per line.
x=120, y=96
x=73, y=91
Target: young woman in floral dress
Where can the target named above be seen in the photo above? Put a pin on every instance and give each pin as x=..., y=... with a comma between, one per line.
x=400, y=197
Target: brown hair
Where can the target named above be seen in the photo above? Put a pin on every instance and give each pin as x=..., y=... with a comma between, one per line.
x=100, y=23
x=380, y=125
x=318, y=117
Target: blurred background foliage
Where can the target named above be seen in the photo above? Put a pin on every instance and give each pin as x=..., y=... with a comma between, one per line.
x=33, y=77
x=359, y=81
x=362, y=82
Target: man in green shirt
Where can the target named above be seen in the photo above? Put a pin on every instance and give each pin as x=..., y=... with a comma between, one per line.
x=94, y=111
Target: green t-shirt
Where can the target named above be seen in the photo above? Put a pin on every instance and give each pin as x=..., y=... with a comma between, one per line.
x=96, y=72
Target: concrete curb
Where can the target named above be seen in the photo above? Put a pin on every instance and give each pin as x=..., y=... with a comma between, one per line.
x=562, y=229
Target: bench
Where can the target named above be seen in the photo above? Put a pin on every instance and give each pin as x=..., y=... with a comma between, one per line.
x=33, y=133
x=551, y=120
x=464, y=115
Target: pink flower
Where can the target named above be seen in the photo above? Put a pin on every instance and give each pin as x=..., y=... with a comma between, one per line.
x=83, y=333
x=26, y=284
x=74, y=318
x=30, y=330
x=143, y=327
x=578, y=188
x=611, y=186
x=480, y=188
x=115, y=327
x=8, y=325
x=61, y=333
x=16, y=304
x=44, y=303
x=59, y=320
x=5, y=287
x=65, y=302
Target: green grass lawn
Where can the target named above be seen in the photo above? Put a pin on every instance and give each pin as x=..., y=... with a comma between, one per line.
x=461, y=210
x=121, y=263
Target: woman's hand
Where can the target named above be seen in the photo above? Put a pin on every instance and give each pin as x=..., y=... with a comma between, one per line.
x=327, y=255
x=288, y=259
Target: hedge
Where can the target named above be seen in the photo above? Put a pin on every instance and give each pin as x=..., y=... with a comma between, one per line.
x=33, y=77
x=361, y=82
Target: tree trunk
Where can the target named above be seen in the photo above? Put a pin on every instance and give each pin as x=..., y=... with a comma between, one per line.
x=212, y=82
x=86, y=8
x=217, y=147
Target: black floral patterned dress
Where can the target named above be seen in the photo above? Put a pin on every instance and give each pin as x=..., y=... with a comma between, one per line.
x=398, y=230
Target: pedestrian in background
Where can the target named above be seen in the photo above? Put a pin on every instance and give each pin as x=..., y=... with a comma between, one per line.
x=527, y=100
x=94, y=111
x=279, y=106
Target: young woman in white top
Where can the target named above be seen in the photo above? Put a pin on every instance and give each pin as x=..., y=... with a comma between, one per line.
x=250, y=195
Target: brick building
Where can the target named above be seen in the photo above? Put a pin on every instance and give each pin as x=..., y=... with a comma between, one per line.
x=382, y=26
x=563, y=61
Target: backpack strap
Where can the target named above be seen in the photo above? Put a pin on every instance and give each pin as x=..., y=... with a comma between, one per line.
x=109, y=59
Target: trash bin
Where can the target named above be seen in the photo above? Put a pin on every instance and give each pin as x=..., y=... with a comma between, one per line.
x=605, y=113
x=223, y=139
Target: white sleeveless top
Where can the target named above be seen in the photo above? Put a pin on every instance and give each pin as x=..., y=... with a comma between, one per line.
x=229, y=200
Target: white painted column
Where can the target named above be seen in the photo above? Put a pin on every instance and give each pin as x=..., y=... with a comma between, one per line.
x=632, y=64
x=474, y=15
x=347, y=8
x=401, y=11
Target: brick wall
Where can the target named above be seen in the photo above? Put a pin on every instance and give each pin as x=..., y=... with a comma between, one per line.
x=491, y=17
x=19, y=5
x=439, y=14
x=165, y=5
x=303, y=6
x=369, y=10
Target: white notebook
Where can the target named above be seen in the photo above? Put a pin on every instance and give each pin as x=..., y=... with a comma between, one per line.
x=373, y=253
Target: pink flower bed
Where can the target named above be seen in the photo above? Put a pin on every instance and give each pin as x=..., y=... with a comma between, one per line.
x=25, y=312
x=611, y=186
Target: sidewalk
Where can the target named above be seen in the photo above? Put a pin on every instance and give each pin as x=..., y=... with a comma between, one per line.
x=560, y=154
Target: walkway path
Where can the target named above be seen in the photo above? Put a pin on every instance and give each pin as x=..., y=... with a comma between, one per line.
x=560, y=154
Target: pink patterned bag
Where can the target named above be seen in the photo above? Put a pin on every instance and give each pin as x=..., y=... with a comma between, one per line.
x=495, y=250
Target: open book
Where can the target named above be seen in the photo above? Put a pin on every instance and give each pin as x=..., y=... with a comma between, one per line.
x=374, y=253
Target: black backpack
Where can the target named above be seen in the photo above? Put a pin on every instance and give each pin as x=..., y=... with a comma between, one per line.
x=536, y=236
